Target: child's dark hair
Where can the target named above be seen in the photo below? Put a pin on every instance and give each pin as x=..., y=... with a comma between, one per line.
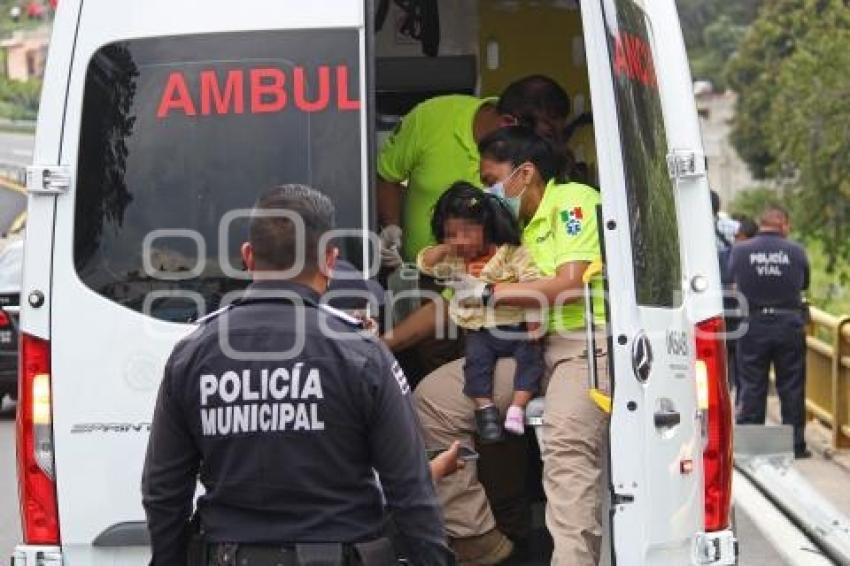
x=465, y=201
x=518, y=144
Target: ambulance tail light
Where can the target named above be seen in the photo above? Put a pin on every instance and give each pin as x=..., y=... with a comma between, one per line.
x=36, y=477
x=714, y=401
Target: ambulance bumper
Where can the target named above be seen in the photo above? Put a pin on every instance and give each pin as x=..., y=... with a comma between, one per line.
x=718, y=548
x=26, y=555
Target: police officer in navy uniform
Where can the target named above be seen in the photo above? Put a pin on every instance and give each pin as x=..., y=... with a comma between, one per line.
x=772, y=272
x=282, y=408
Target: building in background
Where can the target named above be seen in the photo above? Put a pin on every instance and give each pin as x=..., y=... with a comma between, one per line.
x=727, y=173
x=26, y=54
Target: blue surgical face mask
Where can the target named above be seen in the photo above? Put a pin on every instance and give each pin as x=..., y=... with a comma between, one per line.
x=514, y=204
x=498, y=189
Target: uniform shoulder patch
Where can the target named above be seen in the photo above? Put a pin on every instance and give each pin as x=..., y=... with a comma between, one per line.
x=573, y=220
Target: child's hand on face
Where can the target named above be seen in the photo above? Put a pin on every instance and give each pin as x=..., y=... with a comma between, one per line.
x=435, y=255
x=451, y=247
x=446, y=249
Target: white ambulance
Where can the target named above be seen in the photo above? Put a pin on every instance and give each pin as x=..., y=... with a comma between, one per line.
x=161, y=120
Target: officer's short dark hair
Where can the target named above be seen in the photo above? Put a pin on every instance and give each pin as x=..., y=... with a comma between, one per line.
x=532, y=97
x=772, y=211
x=273, y=238
x=518, y=144
x=465, y=201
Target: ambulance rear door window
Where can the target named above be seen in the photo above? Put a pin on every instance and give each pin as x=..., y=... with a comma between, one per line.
x=179, y=131
x=651, y=200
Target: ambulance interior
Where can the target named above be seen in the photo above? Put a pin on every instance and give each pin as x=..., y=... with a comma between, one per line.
x=430, y=48
x=426, y=48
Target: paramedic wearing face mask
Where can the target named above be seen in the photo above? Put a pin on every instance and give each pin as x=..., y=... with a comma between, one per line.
x=560, y=232
x=436, y=144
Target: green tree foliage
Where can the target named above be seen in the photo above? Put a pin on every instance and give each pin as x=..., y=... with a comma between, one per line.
x=720, y=41
x=808, y=132
x=753, y=72
x=752, y=201
x=19, y=100
x=712, y=30
x=793, y=116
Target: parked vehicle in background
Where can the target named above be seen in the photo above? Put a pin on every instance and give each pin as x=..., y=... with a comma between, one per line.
x=11, y=261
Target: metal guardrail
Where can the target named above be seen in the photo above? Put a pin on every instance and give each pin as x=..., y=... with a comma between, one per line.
x=764, y=454
x=828, y=373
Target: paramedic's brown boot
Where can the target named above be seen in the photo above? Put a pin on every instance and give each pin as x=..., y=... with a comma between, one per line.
x=488, y=424
x=484, y=550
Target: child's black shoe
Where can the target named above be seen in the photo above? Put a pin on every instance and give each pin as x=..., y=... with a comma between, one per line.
x=488, y=424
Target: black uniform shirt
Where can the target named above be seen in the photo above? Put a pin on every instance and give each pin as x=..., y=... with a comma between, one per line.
x=770, y=271
x=285, y=447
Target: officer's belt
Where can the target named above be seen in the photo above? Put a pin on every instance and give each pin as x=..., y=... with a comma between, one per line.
x=378, y=552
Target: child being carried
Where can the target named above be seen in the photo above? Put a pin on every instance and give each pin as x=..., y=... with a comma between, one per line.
x=477, y=235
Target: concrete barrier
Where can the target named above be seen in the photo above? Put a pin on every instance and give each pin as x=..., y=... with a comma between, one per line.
x=765, y=455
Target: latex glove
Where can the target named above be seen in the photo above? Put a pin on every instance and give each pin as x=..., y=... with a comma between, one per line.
x=390, y=238
x=469, y=290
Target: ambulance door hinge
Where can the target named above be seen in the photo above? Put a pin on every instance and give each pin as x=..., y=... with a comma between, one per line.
x=686, y=164
x=48, y=179
x=717, y=548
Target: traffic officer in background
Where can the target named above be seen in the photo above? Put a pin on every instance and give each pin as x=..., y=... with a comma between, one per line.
x=282, y=409
x=771, y=272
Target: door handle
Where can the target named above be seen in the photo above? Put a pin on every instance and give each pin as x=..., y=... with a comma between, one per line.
x=602, y=400
x=667, y=418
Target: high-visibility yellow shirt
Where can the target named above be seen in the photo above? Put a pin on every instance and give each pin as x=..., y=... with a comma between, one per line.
x=432, y=147
x=564, y=229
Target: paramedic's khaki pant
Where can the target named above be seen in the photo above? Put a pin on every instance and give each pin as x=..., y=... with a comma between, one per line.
x=574, y=431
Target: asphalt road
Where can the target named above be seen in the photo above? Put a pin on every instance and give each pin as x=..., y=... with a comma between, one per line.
x=15, y=148
x=755, y=549
x=10, y=527
x=12, y=204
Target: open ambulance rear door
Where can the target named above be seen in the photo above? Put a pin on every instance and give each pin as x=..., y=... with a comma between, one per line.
x=670, y=433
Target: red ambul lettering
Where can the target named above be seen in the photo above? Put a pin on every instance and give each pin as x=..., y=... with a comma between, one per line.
x=260, y=90
x=211, y=93
x=633, y=59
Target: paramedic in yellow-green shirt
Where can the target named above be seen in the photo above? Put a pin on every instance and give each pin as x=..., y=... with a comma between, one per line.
x=436, y=144
x=559, y=229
